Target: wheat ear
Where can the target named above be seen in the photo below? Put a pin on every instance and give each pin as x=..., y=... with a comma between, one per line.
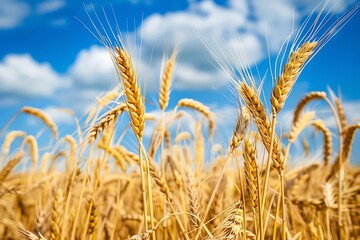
x=166, y=82
x=109, y=96
x=349, y=134
x=329, y=200
x=129, y=157
x=182, y=136
x=10, y=137
x=305, y=100
x=134, y=99
x=253, y=180
x=56, y=212
x=193, y=196
x=136, y=110
x=160, y=181
x=318, y=124
x=251, y=172
x=242, y=123
x=290, y=73
x=92, y=218
x=341, y=113
x=43, y=117
x=106, y=121
x=198, y=106
x=8, y=167
x=258, y=114
x=299, y=125
x=33, y=146
x=233, y=226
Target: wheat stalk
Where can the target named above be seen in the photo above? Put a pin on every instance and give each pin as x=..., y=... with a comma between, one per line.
x=199, y=149
x=72, y=149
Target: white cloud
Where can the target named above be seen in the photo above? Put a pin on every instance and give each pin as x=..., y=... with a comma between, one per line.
x=12, y=13
x=59, y=22
x=93, y=68
x=58, y=115
x=231, y=31
x=334, y=6
x=22, y=76
x=275, y=21
x=48, y=6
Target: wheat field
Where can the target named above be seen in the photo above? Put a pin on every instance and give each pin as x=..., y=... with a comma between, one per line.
x=169, y=189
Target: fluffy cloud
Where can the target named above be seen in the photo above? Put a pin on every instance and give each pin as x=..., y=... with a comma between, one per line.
x=12, y=13
x=93, y=68
x=22, y=76
x=231, y=31
x=59, y=116
x=48, y=6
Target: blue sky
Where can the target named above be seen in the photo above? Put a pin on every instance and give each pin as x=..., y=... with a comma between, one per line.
x=49, y=60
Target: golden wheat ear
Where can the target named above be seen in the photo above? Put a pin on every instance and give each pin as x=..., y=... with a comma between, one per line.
x=299, y=125
x=305, y=100
x=198, y=106
x=10, y=137
x=134, y=99
x=349, y=134
x=164, y=94
x=290, y=73
x=241, y=126
x=43, y=117
x=257, y=111
x=233, y=226
x=9, y=167
x=108, y=120
x=319, y=125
